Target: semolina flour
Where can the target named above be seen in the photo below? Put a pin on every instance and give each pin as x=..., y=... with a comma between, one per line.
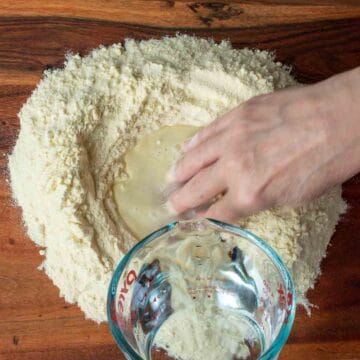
x=81, y=120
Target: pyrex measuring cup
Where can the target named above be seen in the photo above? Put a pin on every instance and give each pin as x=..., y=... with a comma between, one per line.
x=208, y=277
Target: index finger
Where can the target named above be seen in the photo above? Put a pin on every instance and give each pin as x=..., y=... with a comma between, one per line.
x=214, y=127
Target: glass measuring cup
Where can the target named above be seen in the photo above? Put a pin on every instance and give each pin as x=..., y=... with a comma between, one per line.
x=218, y=277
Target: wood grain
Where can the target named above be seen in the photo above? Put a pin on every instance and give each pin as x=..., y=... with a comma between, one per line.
x=185, y=14
x=318, y=38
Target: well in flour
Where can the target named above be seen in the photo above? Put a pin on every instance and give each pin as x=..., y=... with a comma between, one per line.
x=140, y=198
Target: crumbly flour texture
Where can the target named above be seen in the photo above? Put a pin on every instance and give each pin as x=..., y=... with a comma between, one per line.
x=80, y=121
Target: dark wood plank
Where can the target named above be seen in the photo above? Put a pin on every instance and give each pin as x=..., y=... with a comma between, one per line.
x=30, y=45
x=317, y=38
x=187, y=14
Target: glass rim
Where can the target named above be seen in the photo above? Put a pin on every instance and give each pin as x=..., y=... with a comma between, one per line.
x=286, y=327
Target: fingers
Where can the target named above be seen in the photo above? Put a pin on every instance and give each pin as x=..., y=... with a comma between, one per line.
x=223, y=210
x=212, y=129
x=230, y=208
x=203, y=149
x=197, y=158
x=199, y=190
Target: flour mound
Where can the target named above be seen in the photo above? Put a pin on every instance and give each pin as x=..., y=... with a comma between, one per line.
x=79, y=122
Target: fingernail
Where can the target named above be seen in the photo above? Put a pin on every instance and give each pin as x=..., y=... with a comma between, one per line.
x=170, y=208
x=191, y=143
x=170, y=175
x=177, y=174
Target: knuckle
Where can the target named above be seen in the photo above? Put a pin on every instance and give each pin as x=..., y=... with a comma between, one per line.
x=248, y=198
x=207, y=151
x=179, y=200
x=250, y=195
x=200, y=156
x=231, y=165
x=202, y=134
x=242, y=162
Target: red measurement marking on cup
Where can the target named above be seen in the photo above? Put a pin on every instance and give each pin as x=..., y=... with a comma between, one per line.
x=282, y=299
x=267, y=288
x=285, y=302
x=130, y=278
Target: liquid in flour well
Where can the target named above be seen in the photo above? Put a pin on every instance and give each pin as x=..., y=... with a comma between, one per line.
x=140, y=198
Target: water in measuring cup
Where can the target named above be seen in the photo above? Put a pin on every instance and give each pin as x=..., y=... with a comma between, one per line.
x=223, y=310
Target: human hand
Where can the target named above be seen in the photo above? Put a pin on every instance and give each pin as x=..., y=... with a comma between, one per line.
x=278, y=149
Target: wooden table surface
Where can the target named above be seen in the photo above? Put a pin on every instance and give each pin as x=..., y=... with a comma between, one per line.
x=318, y=38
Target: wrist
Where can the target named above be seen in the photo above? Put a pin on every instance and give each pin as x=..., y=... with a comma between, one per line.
x=340, y=104
x=346, y=118
x=346, y=90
